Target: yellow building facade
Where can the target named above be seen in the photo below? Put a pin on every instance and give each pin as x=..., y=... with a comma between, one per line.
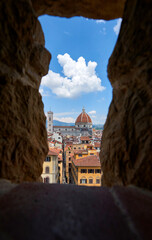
x=77, y=151
x=50, y=168
x=86, y=171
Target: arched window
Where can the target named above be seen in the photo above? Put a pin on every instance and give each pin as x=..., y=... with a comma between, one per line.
x=83, y=180
x=47, y=170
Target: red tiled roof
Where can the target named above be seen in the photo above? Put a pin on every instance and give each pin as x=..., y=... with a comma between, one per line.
x=52, y=153
x=84, y=138
x=89, y=161
x=83, y=118
x=97, y=144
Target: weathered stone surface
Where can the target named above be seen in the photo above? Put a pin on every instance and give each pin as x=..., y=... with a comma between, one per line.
x=23, y=139
x=50, y=211
x=98, y=9
x=126, y=154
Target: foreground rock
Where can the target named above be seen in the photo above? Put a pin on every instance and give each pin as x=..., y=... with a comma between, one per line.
x=43, y=211
x=126, y=152
x=98, y=9
x=23, y=61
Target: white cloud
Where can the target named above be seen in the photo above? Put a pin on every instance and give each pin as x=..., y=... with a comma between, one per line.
x=44, y=93
x=117, y=26
x=100, y=21
x=65, y=119
x=79, y=78
x=103, y=31
x=92, y=112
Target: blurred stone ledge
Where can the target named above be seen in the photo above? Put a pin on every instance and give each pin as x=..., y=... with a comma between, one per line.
x=52, y=211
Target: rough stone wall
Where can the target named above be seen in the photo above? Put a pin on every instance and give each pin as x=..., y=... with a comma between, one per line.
x=98, y=9
x=126, y=154
x=23, y=61
x=127, y=139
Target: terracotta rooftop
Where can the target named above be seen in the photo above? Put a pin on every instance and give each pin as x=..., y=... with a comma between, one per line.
x=85, y=138
x=56, y=150
x=89, y=161
x=97, y=144
x=83, y=118
x=52, y=153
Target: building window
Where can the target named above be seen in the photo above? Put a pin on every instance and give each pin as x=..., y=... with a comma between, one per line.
x=90, y=180
x=97, y=170
x=46, y=180
x=69, y=152
x=83, y=170
x=80, y=155
x=74, y=147
x=47, y=159
x=47, y=170
x=91, y=153
x=83, y=181
x=90, y=170
x=84, y=125
x=79, y=148
x=98, y=180
x=49, y=119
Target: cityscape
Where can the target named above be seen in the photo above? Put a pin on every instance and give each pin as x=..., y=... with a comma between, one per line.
x=73, y=156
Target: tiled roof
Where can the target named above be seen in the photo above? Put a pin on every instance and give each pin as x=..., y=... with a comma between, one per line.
x=97, y=144
x=83, y=118
x=84, y=138
x=89, y=161
x=52, y=153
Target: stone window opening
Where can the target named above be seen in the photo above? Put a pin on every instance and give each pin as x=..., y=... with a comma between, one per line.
x=124, y=111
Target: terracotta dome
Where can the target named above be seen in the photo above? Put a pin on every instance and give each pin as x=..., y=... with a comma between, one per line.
x=83, y=118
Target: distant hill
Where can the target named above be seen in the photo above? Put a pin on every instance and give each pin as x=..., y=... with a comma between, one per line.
x=58, y=123
x=98, y=126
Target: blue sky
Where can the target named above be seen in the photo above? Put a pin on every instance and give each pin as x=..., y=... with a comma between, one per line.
x=77, y=76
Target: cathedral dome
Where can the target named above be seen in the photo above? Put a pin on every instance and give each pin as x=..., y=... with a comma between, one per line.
x=83, y=118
